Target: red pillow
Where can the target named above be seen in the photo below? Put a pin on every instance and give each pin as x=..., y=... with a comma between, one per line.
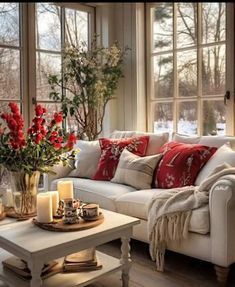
x=181, y=164
x=111, y=150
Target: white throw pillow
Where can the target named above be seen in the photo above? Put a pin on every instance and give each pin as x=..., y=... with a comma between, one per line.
x=156, y=140
x=224, y=154
x=136, y=171
x=87, y=159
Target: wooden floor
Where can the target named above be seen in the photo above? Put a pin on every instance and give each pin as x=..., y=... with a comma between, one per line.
x=180, y=270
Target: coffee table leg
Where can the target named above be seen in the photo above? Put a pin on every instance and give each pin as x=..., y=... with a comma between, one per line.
x=125, y=260
x=36, y=269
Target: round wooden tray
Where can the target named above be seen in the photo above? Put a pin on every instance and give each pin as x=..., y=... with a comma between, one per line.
x=2, y=216
x=59, y=226
x=10, y=212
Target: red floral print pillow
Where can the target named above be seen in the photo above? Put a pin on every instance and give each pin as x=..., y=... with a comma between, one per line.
x=111, y=150
x=181, y=164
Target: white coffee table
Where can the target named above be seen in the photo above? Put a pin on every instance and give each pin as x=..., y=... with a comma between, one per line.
x=37, y=247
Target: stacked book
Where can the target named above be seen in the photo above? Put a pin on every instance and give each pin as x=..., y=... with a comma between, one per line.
x=85, y=260
x=20, y=268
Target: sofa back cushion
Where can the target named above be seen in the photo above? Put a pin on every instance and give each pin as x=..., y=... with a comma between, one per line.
x=185, y=138
x=224, y=154
x=111, y=150
x=156, y=140
x=136, y=171
x=181, y=164
x=212, y=141
x=87, y=159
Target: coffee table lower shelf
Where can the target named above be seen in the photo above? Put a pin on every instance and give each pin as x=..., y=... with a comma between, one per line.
x=110, y=264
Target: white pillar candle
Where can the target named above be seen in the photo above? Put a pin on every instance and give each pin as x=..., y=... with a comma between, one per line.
x=9, y=197
x=65, y=189
x=55, y=201
x=44, y=207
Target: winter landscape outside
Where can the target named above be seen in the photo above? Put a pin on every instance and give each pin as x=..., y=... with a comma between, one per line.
x=188, y=67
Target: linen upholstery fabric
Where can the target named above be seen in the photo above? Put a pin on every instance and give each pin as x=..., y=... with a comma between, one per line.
x=217, y=141
x=185, y=138
x=136, y=204
x=181, y=164
x=136, y=171
x=156, y=140
x=111, y=150
x=223, y=155
x=87, y=159
x=103, y=193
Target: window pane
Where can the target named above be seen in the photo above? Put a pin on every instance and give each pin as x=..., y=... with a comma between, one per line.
x=163, y=117
x=187, y=73
x=214, y=118
x=163, y=76
x=162, y=27
x=213, y=70
x=213, y=22
x=186, y=24
x=76, y=26
x=9, y=24
x=46, y=64
x=48, y=28
x=187, y=123
x=9, y=74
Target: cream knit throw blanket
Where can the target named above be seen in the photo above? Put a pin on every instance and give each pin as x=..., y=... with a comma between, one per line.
x=170, y=212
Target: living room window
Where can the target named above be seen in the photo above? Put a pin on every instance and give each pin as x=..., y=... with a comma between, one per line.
x=10, y=54
x=188, y=50
x=32, y=37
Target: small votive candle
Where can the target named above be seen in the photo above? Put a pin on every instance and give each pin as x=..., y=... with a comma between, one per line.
x=9, y=197
x=55, y=201
x=44, y=207
x=65, y=189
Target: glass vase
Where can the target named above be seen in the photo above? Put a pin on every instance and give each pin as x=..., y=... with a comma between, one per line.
x=24, y=188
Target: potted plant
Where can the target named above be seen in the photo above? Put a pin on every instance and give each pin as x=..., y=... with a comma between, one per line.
x=90, y=78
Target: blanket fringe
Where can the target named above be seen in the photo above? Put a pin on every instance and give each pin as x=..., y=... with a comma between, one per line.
x=168, y=227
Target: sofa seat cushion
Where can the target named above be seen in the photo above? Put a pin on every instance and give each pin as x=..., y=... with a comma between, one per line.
x=136, y=204
x=103, y=193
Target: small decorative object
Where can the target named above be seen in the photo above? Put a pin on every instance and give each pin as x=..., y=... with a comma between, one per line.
x=89, y=211
x=90, y=75
x=26, y=156
x=55, y=201
x=65, y=189
x=44, y=207
x=70, y=215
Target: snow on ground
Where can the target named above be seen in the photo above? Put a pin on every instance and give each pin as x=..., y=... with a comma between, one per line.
x=184, y=127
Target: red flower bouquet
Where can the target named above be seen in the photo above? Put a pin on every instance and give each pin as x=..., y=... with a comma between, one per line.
x=42, y=147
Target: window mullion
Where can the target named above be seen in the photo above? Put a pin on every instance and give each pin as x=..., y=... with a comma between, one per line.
x=31, y=45
x=175, y=80
x=199, y=70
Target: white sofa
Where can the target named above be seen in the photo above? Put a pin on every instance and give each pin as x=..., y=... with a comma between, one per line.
x=212, y=228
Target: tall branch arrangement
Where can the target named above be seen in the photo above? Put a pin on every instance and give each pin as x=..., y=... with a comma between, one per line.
x=90, y=78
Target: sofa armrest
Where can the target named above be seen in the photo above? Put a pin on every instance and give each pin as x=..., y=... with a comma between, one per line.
x=60, y=172
x=222, y=219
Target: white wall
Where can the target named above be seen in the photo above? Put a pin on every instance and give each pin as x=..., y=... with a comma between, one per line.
x=125, y=22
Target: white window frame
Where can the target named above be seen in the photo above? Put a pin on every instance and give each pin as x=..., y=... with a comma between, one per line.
x=230, y=128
